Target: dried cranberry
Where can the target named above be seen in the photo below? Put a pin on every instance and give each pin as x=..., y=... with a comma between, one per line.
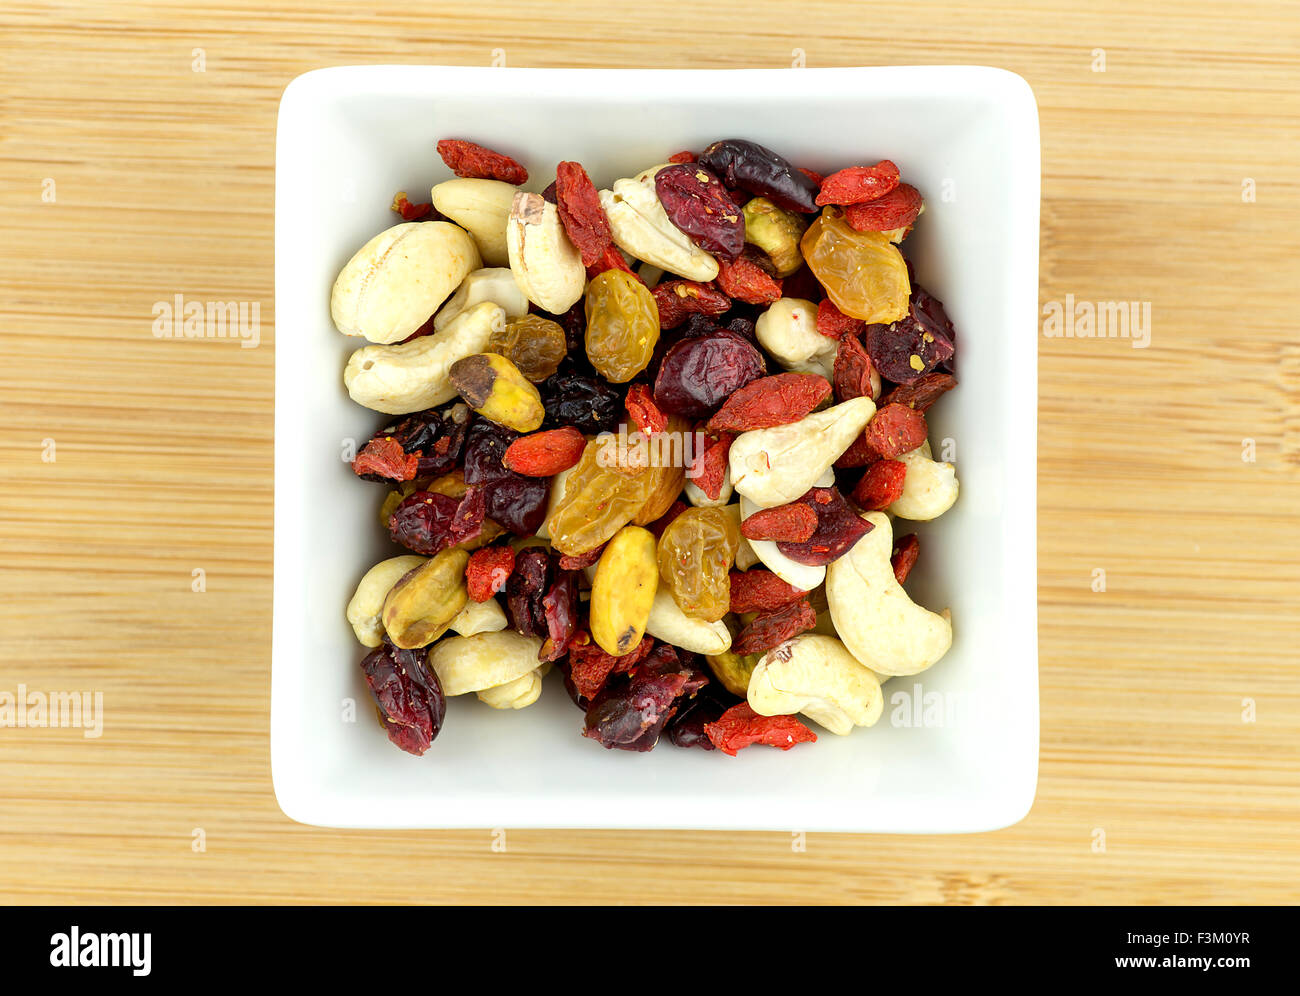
x=585, y=402
x=761, y=171
x=435, y=436
x=525, y=591
x=698, y=374
x=513, y=501
x=838, y=529
x=916, y=344
x=695, y=202
x=560, y=613
x=424, y=522
x=928, y=310
x=630, y=712
x=408, y=693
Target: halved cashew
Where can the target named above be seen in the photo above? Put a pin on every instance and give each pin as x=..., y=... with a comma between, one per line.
x=641, y=228
x=492, y=283
x=929, y=487
x=745, y=555
x=413, y=376
x=547, y=267
x=775, y=466
x=802, y=576
x=817, y=676
x=368, y=600
x=481, y=207
x=788, y=330
x=479, y=617
x=669, y=623
x=473, y=663
x=881, y=626
x=398, y=279
x=517, y=694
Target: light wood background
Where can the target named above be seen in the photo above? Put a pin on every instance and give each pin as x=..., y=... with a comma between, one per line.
x=163, y=180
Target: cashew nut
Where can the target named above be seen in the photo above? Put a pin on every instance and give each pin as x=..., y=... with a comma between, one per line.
x=413, y=376
x=486, y=660
x=669, y=623
x=481, y=207
x=700, y=500
x=492, y=283
x=929, y=487
x=397, y=279
x=479, y=617
x=641, y=228
x=745, y=555
x=777, y=465
x=817, y=676
x=368, y=601
x=788, y=330
x=881, y=626
x=517, y=694
x=547, y=267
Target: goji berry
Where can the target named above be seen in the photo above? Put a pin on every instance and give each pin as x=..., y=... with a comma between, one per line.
x=610, y=259
x=682, y=157
x=897, y=209
x=580, y=561
x=859, y=454
x=744, y=280
x=792, y=523
x=812, y=174
x=758, y=590
x=740, y=726
x=834, y=324
x=488, y=571
x=859, y=184
x=677, y=299
x=412, y=212
x=643, y=411
x=386, y=458
x=590, y=667
x=469, y=159
x=922, y=392
x=906, y=549
x=664, y=521
x=852, y=373
x=578, y=204
x=881, y=485
x=771, y=629
x=544, y=454
x=838, y=529
x=708, y=469
x=770, y=401
x=894, y=430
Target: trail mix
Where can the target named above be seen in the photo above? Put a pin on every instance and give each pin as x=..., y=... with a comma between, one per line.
x=655, y=436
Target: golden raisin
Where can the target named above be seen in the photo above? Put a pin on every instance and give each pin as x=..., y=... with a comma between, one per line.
x=864, y=274
x=622, y=325
x=532, y=343
x=695, y=555
x=600, y=498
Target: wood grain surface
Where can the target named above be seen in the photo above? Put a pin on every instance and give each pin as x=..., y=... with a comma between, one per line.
x=1170, y=714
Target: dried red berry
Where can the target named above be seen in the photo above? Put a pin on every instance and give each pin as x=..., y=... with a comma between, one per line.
x=838, y=529
x=578, y=203
x=894, y=430
x=412, y=212
x=544, y=454
x=696, y=202
x=708, y=469
x=682, y=157
x=488, y=571
x=881, y=485
x=630, y=713
x=409, y=695
x=859, y=454
x=469, y=159
x=581, y=561
x=744, y=280
x=771, y=629
x=526, y=588
x=897, y=209
x=791, y=523
x=384, y=457
x=700, y=372
x=560, y=613
x=434, y=437
x=906, y=550
x=756, y=168
x=770, y=401
x=852, y=375
x=678, y=299
x=740, y=726
x=423, y=522
x=759, y=590
x=922, y=392
x=643, y=411
x=859, y=184
x=812, y=174
x=590, y=667
x=834, y=324
x=610, y=259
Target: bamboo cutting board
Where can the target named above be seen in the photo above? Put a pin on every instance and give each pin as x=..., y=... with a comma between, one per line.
x=137, y=159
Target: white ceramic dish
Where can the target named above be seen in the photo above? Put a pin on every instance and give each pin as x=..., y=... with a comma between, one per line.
x=968, y=138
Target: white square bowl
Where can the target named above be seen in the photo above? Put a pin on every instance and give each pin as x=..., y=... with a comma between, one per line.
x=957, y=748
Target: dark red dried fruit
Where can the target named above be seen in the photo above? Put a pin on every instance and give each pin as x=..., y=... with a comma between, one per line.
x=708, y=468
x=488, y=571
x=590, y=667
x=771, y=401
x=643, y=411
x=527, y=587
x=740, y=726
x=698, y=374
x=515, y=502
x=859, y=454
x=759, y=170
x=744, y=280
x=859, y=184
x=423, y=522
x=834, y=324
x=906, y=550
x=581, y=561
x=560, y=613
x=664, y=521
x=759, y=590
x=408, y=694
x=771, y=629
x=469, y=159
x=897, y=209
x=906, y=350
x=922, y=392
x=679, y=299
x=804, y=285
x=838, y=528
x=631, y=711
x=435, y=437
x=793, y=523
x=610, y=259
x=578, y=204
x=544, y=454
x=682, y=157
x=895, y=430
x=587, y=403
x=384, y=459
x=852, y=370
x=695, y=201
x=467, y=523
x=881, y=485
x=812, y=174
